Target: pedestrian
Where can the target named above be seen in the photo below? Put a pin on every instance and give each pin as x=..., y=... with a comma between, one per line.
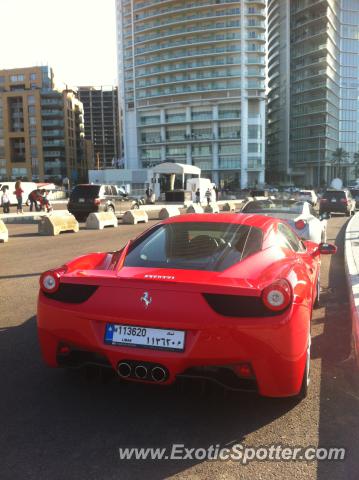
x=44, y=201
x=18, y=193
x=208, y=196
x=198, y=195
x=34, y=198
x=5, y=200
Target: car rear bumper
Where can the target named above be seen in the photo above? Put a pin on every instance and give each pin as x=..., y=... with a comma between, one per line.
x=274, y=347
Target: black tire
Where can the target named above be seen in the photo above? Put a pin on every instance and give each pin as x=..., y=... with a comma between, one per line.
x=316, y=303
x=303, y=392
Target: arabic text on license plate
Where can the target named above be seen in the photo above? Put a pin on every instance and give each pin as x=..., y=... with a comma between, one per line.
x=135, y=336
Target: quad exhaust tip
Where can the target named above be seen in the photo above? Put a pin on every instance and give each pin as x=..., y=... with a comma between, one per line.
x=158, y=374
x=124, y=369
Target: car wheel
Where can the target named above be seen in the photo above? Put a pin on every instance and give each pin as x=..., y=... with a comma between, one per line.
x=317, y=297
x=306, y=375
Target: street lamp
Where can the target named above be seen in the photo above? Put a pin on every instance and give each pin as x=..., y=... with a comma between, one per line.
x=318, y=183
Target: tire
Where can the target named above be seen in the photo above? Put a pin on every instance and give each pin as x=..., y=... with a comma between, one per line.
x=303, y=392
x=316, y=303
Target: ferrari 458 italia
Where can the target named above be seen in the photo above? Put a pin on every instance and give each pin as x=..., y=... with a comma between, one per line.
x=223, y=297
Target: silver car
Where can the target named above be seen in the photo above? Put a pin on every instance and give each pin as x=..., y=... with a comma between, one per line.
x=301, y=216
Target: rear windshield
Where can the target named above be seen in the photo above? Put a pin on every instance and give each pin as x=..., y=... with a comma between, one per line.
x=307, y=194
x=269, y=207
x=195, y=246
x=337, y=194
x=85, y=191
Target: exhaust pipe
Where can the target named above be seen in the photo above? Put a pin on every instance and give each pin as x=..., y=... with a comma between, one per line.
x=124, y=369
x=158, y=374
x=141, y=371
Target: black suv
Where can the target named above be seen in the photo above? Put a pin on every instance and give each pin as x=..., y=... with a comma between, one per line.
x=337, y=201
x=85, y=199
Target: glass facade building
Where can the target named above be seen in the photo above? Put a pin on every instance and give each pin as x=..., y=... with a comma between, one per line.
x=192, y=80
x=313, y=88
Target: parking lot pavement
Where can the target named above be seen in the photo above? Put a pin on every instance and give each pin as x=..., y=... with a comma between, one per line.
x=56, y=425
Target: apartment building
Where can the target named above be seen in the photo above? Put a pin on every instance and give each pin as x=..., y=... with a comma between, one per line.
x=192, y=86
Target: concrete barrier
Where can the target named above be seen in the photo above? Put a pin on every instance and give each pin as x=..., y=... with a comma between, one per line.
x=4, y=234
x=169, y=211
x=195, y=208
x=98, y=221
x=351, y=251
x=133, y=217
x=229, y=207
x=211, y=208
x=55, y=224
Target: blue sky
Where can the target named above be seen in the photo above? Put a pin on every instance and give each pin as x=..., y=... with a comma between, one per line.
x=77, y=38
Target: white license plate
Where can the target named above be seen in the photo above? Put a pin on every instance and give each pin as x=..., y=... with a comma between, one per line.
x=135, y=336
x=334, y=200
x=81, y=200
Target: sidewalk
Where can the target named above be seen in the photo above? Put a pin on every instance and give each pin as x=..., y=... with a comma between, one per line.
x=352, y=271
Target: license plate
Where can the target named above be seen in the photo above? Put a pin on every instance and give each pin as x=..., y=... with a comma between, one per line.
x=81, y=200
x=334, y=200
x=135, y=336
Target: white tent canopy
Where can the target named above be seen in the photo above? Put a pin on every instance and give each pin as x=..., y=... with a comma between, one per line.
x=169, y=168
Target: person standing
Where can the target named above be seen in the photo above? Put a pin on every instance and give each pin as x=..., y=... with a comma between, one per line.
x=208, y=195
x=5, y=200
x=18, y=193
x=198, y=195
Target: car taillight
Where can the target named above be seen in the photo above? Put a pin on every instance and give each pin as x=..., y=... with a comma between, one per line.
x=277, y=296
x=300, y=224
x=50, y=280
x=97, y=201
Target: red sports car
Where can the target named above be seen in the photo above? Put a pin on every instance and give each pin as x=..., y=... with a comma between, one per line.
x=226, y=297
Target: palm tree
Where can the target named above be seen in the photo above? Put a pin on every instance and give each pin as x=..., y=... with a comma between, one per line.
x=356, y=164
x=339, y=156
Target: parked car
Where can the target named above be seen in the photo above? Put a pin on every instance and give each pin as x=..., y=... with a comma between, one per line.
x=88, y=198
x=355, y=194
x=223, y=297
x=300, y=216
x=337, y=201
x=308, y=196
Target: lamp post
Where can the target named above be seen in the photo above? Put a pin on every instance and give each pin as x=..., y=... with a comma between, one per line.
x=318, y=182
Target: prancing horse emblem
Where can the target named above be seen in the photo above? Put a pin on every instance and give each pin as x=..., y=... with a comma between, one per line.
x=146, y=299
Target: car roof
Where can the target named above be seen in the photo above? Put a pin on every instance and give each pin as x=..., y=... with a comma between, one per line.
x=251, y=219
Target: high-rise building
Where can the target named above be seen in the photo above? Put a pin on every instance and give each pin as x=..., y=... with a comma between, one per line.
x=102, y=124
x=313, y=51
x=41, y=128
x=192, y=79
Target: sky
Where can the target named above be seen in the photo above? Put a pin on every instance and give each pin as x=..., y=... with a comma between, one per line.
x=77, y=38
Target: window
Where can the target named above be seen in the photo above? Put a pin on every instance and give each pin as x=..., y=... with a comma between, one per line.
x=195, y=245
x=32, y=76
x=31, y=100
x=17, y=78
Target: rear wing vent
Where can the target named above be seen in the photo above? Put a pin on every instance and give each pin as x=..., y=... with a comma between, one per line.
x=238, y=306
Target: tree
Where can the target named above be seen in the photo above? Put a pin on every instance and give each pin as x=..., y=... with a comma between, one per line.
x=356, y=164
x=339, y=157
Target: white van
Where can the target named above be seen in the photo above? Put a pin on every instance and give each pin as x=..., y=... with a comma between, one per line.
x=28, y=187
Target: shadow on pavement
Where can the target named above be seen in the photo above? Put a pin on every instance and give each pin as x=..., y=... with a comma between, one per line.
x=53, y=423
x=339, y=392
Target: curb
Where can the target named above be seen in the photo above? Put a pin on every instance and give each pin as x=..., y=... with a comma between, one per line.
x=351, y=255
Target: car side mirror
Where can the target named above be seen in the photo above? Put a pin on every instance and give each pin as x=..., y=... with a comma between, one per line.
x=325, y=249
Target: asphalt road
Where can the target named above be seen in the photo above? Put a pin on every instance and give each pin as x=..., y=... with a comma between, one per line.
x=54, y=425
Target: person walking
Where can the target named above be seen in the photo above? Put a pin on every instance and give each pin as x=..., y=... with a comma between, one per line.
x=18, y=193
x=198, y=195
x=208, y=195
x=5, y=200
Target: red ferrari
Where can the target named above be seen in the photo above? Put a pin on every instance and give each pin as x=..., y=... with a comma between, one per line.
x=224, y=297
